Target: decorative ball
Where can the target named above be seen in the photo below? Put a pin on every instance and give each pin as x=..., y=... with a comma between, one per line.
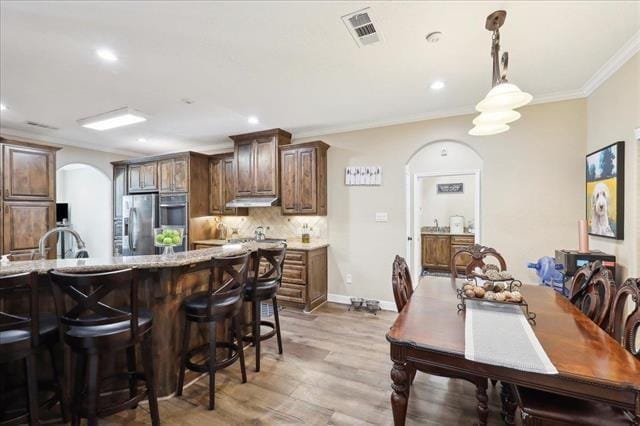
x=467, y=287
x=516, y=296
x=507, y=295
x=499, y=287
x=488, y=286
x=500, y=297
x=505, y=275
x=479, y=292
x=469, y=293
x=490, y=295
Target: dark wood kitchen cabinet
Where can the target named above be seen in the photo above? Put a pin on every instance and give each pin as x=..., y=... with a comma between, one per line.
x=173, y=175
x=27, y=201
x=28, y=173
x=257, y=163
x=304, y=178
x=304, y=279
x=222, y=186
x=143, y=177
x=436, y=251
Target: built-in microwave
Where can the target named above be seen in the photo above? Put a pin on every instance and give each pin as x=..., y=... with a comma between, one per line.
x=174, y=211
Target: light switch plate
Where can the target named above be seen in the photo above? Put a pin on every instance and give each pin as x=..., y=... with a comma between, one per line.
x=382, y=217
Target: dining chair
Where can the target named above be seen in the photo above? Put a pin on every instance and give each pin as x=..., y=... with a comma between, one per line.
x=592, y=290
x=478, y=255
x=96, y=331
x=221, y=302
x=544, y=408
x=402, y=285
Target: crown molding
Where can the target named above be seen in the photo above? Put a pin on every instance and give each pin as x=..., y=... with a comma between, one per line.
x=626, y=52
x=35, y=137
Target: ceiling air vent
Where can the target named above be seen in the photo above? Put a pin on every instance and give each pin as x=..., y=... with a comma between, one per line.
x=42, y=126
x=362, y=28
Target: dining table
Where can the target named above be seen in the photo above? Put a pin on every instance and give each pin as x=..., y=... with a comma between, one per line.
x=429, y=333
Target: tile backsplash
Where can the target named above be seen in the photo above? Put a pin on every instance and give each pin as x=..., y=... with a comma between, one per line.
x=279, y=225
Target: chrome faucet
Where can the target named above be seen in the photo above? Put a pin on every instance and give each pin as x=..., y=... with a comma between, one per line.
x=82, y=247
x=437, y=225
x=259, y=233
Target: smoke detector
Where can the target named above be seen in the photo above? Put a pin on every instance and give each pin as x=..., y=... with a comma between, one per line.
x=434, y=37
x=362, y=28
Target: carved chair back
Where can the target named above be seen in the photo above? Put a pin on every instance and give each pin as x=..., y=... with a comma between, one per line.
x=592, y=291
x=227, y=279
x=88, y=292
x=401, y=282
x=624, y=323
x=268, y=264
x=479, y=255
x=20, y=286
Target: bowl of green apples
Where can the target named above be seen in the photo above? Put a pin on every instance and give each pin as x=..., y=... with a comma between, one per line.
x=168, y=237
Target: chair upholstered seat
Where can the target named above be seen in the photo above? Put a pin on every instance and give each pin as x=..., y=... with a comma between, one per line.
x=262, y=290
x=89, y=336
x=48, y=334
x=10, y=337
x=195, y=305
x=567, y=410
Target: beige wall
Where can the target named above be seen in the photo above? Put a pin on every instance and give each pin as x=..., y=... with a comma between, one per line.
x=613, y=112
x=442, y=206
x=531, y=184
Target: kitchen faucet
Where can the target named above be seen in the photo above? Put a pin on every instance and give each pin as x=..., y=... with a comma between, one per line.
x=82, y=247
x=437, y=225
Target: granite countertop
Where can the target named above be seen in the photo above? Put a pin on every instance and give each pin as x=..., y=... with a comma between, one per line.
x=291, y=244
x=115, y=263
x=467, y=234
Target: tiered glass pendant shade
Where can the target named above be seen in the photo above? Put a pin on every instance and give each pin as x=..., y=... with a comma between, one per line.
x=502, y=97
x=489, y=129
x=498, y=117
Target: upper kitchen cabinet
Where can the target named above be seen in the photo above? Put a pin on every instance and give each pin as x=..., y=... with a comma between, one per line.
x=222, y=186
x=257, y=168
x=28, y=172
x=173, y=175
x=143, y=177
x=24, y=222
x=304, y=178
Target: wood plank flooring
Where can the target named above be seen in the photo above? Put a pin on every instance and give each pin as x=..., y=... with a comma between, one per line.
x=334, y=371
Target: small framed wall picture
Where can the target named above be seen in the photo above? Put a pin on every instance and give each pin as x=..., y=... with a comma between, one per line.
x=604, y=191
x=450, y=188
x=363, y=176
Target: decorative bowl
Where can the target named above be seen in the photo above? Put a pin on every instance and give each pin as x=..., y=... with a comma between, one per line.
x=168, y=237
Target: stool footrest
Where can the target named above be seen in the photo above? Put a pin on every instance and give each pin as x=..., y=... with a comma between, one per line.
x=204, y=349
x=265, y=336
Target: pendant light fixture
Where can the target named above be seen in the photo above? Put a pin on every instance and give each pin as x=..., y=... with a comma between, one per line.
x=497, y=108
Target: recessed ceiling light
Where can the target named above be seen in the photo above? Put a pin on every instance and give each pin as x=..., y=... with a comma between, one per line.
x=3, y=107
x=142, y=139
x=106, y=55
x=253, y=120
x=112, y=119
x=437, y=85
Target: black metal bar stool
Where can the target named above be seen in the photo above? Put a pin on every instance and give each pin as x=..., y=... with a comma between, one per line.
x=95, y=331
x=22, y=336
x=264, y=285
x=222, y=301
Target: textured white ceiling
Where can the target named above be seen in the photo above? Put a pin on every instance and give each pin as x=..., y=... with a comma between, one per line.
x=292, y=64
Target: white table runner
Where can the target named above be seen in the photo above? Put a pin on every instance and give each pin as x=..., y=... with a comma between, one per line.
x=501, y=335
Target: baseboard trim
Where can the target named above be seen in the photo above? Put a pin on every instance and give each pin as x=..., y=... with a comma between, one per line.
x=346, y=300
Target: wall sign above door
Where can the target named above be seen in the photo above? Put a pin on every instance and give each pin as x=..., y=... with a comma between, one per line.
x=450, y=188
x=363, y=175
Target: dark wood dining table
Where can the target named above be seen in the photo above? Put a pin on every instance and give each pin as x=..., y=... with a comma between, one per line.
x=429, y=333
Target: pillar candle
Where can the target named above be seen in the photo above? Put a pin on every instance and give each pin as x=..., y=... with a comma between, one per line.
x=583, y=235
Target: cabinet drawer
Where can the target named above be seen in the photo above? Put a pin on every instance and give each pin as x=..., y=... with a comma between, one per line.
x=295, y=257
x=294, y=274
x=462, y=240
x=291, y=292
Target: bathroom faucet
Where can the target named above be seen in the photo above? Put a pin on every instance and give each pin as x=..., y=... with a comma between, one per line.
x=437, y=225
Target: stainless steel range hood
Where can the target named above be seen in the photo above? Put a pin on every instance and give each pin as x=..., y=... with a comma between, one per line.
x=253, y=202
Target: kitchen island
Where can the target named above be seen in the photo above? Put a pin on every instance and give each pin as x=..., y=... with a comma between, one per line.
x=165, y=282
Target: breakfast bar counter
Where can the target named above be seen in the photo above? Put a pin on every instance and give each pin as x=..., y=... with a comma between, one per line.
x=164, y=282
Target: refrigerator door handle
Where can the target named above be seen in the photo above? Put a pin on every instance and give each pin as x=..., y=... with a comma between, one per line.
x=132, y=245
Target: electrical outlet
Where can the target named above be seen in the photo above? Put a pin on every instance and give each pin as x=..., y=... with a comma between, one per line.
x=347, y=279
x=382, y=217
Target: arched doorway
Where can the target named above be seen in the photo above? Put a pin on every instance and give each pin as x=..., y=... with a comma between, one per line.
x=440, y=161
x=87, y=192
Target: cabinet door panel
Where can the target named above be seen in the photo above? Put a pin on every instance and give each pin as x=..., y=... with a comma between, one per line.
x=165, y=175
x=28, y=173
x=244, y=168
x=216, y=186
x=289, y=182
x=149, y=176
x=135, y=178
x=24, y=223
x=462, y=260
x=307, y=185
x=265, y=167
x=180, y=175
x=228, y=186
x=436, y=250
x=295, y=274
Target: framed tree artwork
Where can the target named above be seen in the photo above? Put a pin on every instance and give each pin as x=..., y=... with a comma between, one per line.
x=605, y=191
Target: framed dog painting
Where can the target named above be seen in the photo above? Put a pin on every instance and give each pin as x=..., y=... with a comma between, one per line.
x=605, y=191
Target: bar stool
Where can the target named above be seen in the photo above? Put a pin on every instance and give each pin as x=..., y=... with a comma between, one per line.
x=95, y=330
x=222, y=301
x=264, y=286
x=22, y=336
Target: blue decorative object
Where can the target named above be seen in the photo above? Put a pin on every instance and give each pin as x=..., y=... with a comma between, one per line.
x=549, y=273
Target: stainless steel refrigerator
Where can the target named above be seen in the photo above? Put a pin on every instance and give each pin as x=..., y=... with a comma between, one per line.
x=140, y=217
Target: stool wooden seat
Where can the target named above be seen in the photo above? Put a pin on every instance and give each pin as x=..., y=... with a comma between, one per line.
x=264, y=285
x=222, y=301
x=95, y=331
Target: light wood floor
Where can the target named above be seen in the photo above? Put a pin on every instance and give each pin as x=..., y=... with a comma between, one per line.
x=335, y=370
